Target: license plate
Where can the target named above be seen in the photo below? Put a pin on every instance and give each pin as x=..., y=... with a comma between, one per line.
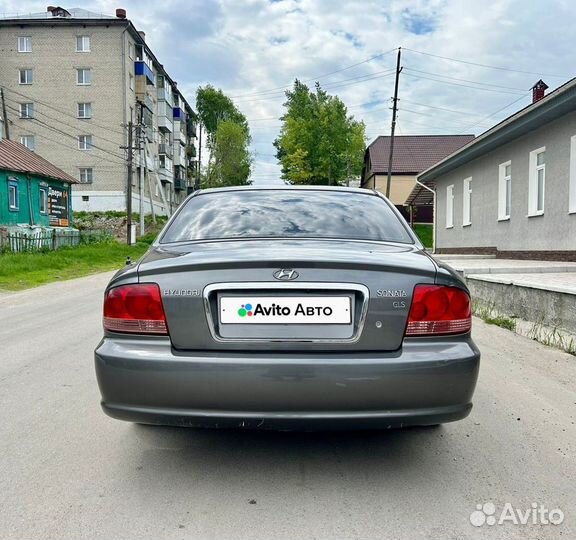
x=285, y=310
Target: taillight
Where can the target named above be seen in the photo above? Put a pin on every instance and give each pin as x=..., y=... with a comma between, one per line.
x=437, y=310
x=136, y=309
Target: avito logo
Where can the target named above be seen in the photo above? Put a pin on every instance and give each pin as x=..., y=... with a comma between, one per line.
x=245, y=309
x=278, y=310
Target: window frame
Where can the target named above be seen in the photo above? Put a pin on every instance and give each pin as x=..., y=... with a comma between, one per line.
x=26, y=82
x=43, y=200
x=450, y=206
x=13, y=188
x=504, y=191
x=27, y=137
x=84, y=103
x=467, y=202
x=28, y=41
x=534, y=168
x=83, y=70
x=28, y=108
x=91, y=180
x=87, y=144
x=82, y=38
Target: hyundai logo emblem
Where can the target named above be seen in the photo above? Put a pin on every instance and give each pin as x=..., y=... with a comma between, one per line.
x=285, y=274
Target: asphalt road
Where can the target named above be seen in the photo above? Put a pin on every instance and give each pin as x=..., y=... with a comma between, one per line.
x=69, y=472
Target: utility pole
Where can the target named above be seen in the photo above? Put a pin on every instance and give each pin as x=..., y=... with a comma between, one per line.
x=4, y=116
x=142, y=159
x=129, y=187
x=198, y=171
x=393, y=128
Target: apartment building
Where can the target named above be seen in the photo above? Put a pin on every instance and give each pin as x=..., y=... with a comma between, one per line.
x=73, y=81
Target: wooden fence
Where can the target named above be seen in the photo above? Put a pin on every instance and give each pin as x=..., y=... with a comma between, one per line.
x=21, y=241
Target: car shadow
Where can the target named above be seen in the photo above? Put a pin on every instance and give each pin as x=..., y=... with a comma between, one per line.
x=239, y=455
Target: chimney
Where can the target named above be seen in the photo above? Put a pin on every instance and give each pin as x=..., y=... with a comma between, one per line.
x=538, y=91
x=50, y=9
x=121, y=13
x=142, y=35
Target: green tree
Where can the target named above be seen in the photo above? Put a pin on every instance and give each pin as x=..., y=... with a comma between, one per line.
x=231, y=159
x=319, y=143
x=227, y=139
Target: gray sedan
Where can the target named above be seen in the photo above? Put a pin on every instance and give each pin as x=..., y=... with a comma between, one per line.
x=287, y=308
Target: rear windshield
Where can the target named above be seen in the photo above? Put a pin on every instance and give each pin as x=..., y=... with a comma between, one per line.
x=286, y=214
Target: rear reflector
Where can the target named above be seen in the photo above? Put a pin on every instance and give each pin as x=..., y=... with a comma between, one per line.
x=136, y=309
x=439, y=310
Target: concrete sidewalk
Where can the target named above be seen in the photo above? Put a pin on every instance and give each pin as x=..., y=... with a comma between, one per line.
x=542, y=293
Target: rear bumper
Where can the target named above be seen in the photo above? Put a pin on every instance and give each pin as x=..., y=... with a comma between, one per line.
x=426, y=382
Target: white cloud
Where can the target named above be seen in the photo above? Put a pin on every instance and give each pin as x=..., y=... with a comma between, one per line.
x=252, y=46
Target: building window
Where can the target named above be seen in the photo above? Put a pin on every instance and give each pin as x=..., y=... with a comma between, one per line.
x=85, y=198
x=28, y=141
x=26, y=110
x=83, y=77
x=43, y=200
x=504, y=190
x=84, y=110
x=82, y=43
x=24, y=44
x=13, y=195
x=466, y=201
x=85, y=142
x=131, y=50
x=450, y=206
x=25, y=76
x=86, y=175
x=537, y=182
x=131, y=82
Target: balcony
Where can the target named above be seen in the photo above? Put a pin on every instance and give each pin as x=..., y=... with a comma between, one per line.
x=165, y=149
x=142, y=69
x=165, y=124
x=165, y=95
x=180, y=178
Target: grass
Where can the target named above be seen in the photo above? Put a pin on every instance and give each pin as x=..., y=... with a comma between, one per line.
x=24, y=270
x=489, y=315
x=425, y=233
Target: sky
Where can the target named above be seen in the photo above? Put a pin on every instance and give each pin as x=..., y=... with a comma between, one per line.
x=253, y=50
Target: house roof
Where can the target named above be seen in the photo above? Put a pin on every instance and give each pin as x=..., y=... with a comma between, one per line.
x=16, y=157
x=551, y=107
x=413, y=153
x=78, y=13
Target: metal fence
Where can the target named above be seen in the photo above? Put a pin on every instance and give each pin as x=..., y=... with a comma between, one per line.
x=36, y=240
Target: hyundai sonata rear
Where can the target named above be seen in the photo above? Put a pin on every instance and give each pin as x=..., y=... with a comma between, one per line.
x=287, y=308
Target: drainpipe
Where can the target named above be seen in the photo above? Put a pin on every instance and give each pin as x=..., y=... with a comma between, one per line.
x=30, y=207
x=434, y=210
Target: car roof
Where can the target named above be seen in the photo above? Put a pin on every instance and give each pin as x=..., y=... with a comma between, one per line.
x=286, y=187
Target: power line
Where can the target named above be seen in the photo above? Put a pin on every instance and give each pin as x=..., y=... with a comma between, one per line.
x=317, y=77
x=96, y=159
x=60, y=111
x=36, y=110
x=439, y=108
x=466, y=80
x=500, y=110
x=56, y=130
x=420, y=77
x=486, y=65
x=330, y=86
x=430, y=115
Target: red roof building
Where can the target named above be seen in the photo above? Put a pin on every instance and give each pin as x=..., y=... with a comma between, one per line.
x=412, y=155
